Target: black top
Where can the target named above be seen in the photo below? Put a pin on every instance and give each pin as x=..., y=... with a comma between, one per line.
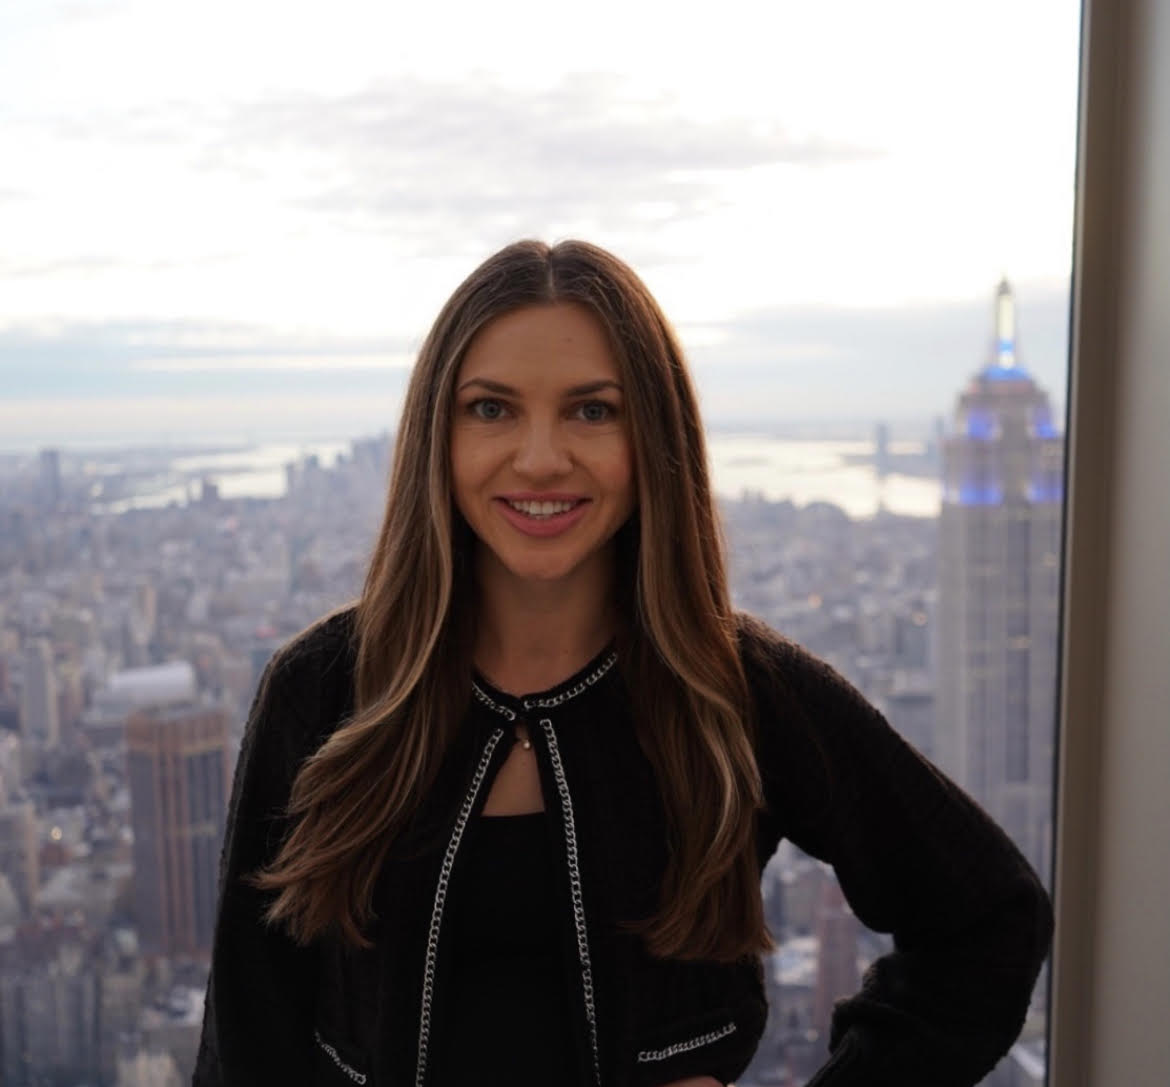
x=508, y=1017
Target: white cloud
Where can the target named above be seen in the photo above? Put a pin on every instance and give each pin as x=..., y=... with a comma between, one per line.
x=258, y=363
x=203, y=419
x=337, y=170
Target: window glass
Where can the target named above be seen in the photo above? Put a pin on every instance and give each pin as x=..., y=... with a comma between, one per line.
x=226, y=230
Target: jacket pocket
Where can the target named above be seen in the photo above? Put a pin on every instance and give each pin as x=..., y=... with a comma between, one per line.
x=694, y=1019
x=335, y=1063
x=718, y=1043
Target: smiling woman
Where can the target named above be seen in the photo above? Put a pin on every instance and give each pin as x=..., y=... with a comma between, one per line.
x=530, y=778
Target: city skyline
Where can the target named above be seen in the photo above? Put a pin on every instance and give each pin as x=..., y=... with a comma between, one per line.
x=159, y=624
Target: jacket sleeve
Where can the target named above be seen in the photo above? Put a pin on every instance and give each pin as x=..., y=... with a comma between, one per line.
x=258, y=1015
x=915, y=857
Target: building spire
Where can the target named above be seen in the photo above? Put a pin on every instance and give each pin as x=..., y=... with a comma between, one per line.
x=1005, y=326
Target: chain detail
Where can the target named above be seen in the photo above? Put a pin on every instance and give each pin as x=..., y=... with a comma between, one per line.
x=424, y=1027
x=491, y=703
x=646, y=1056
x=546, y=703
x=575, y=889
x=572, y=692
x=358, y=1077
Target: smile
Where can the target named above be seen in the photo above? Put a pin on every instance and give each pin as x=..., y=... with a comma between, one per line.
x=543, y=518
x=542, y=510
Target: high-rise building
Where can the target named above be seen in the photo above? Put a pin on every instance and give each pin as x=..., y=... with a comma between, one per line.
x=70, y=701
x=179, y=776
x=999, y=579
x=124, y=978
x=837, y=973
x=104, y=722
x=144, y=604
x=39, y=722
x=74, y=627
x=19, y=851
x=48, y=1013
x=51, y=478
x=881, y=450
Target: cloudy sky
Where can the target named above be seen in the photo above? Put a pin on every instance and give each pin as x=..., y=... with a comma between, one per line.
x=238, y=217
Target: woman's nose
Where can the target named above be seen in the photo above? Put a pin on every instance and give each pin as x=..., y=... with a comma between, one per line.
x=541, y=453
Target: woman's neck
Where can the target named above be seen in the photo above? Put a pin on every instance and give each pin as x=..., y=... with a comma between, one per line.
x=530, y=637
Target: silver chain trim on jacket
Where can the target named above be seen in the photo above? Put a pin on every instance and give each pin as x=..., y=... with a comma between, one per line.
x=646, y=1056
x=546, y=703
x=575, y=890
x=491, y=703
x=424, y=1026
x=358, y=1077
x=572, y=692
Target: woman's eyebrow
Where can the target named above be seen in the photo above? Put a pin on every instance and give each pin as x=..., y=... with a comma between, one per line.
x=593, y=387
x=501, y=389
x=491, y=386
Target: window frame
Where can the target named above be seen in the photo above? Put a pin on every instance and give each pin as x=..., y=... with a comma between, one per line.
x=1110, y=987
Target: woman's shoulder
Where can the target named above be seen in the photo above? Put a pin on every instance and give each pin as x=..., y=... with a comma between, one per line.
x=776, y=665
x=758, y=641
x=306, y=689
x=327, y=644
x=319, y=659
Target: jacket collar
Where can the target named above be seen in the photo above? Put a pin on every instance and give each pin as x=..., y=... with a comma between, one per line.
x=510, y=706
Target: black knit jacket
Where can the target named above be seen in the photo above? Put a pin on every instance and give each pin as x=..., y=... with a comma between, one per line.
x=914, y=855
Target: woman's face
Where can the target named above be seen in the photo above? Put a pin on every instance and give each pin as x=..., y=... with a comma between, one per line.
x=542, y=468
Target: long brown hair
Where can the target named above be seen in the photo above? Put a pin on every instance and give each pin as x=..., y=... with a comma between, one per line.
x=413, y=619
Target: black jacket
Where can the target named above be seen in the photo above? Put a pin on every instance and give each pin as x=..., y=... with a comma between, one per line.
x=915, y=857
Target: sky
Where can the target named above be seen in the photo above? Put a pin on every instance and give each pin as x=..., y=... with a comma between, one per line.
x=238, y=219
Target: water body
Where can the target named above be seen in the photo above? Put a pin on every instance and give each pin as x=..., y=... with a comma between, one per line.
x=247, y=472
x=805, y=471
x=799, y=470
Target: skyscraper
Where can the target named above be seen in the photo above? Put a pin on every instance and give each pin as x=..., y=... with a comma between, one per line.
x=51, y=478
x=19, y=856
x=837, y=973
x=178, y=768
x=39, y=720
x=999, y=593
x=48, y=1011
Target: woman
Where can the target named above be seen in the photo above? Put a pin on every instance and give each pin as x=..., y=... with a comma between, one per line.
x=503, y=820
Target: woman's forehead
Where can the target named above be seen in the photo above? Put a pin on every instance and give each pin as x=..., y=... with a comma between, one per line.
x=559, y=342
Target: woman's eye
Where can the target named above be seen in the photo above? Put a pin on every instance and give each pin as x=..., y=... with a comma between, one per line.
x=595, y=411
x=487, y=409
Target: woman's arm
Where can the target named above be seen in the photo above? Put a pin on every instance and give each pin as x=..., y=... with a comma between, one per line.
x=258, y=1015
x=915, y=857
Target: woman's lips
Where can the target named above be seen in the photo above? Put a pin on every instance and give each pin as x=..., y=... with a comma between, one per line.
x=552, y=524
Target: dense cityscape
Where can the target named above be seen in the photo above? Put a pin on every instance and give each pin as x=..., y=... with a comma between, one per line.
x=131, y=644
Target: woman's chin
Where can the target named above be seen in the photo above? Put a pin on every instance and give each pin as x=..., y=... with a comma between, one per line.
x=538, y=576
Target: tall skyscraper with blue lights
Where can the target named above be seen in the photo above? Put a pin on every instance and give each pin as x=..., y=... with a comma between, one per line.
x=999, y=593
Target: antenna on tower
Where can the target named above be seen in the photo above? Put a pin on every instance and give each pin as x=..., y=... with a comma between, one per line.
x=1005, y=326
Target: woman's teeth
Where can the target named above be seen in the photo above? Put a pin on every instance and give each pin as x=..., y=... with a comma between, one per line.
x=541, y=509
